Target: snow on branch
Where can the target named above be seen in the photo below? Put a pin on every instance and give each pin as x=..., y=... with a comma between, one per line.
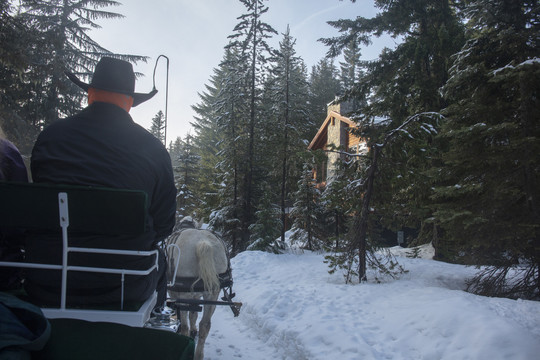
x=512, y=67
x=402, y=128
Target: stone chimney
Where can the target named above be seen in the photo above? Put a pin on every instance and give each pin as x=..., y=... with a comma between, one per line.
x=342, y=108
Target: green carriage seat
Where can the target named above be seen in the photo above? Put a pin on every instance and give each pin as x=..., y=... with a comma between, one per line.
x=80, y=209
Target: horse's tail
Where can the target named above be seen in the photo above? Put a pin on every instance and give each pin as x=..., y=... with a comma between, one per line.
x=207, y=269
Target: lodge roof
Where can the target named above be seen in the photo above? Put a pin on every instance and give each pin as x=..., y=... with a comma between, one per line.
x=321, y=138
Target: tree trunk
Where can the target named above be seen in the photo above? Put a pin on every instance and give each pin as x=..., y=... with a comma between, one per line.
x=285, y=154
x=361, y=222
x=337, y=229
x=308, y=219
x=249, y=173
x=234, y=232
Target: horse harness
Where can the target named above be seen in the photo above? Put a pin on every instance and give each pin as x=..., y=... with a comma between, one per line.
x=193, y=284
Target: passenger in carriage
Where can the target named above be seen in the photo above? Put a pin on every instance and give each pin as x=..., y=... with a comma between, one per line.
x=12, y=168
x=103, y=146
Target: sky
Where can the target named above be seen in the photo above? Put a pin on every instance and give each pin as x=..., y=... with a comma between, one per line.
x=193, y=34
x=293, y=309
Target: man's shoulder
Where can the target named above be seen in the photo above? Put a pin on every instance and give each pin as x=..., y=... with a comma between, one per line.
x=54, y=127
x=147, y=138
x=66, y=121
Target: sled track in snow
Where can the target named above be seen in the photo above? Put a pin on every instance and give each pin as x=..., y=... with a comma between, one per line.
x=287, y=343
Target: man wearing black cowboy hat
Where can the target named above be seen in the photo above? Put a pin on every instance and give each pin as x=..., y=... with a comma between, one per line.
x=103, y=146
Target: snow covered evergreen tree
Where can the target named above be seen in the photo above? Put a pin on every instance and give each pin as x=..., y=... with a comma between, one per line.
x=209, y=141
x=350, y=67
x=324, y=86
x=487, y=201
x=287, y=120
x=65, y=25
x=249, y=37
x=221, y=140
x=338, y=199
x=306, y=211
x=157, y=128
x=185, y=162
x=265, y=232
x=20, y=90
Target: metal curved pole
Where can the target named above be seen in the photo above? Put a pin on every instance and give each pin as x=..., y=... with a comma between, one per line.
x=166, y=93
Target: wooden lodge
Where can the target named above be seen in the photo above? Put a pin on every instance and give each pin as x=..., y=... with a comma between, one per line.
x=337, y=140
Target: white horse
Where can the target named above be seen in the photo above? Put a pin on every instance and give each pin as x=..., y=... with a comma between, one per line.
x=202, y=257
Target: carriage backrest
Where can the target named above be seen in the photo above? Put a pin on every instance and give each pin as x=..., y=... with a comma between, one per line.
x=91, y=209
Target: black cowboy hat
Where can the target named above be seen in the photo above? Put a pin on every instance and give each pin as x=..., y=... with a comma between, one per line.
x=116, y=76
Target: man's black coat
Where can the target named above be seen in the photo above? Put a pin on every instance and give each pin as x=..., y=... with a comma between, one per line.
x=102, y=146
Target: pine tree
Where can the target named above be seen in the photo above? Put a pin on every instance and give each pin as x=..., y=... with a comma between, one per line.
x=266, y=230
x=324, y=86
x=20, y=79
x=338, y=200
x=404, y=81
x=220, y=127
x=306, y=211
x=350, y=66
x=350, y=76
x=232, y=120
x=64, y=24
x=287, y=88
x=487, y=200
x=185, y=162
x=158, y=127
x=209, y=142
x=249, y=37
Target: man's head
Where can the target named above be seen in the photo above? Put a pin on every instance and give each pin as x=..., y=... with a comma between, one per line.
x=113, y=76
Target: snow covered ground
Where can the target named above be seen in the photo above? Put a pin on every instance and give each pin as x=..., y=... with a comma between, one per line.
x=294, y=309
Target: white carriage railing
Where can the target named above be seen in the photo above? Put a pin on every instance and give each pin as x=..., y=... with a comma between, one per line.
x=133, y=318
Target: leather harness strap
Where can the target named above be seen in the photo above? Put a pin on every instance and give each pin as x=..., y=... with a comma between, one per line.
x=193, y=284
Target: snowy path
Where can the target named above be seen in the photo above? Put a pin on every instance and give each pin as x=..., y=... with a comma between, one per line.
x=248, y=336
x=244, y=338
x=294, y=309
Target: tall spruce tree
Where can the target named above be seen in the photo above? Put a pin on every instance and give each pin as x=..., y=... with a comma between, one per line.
x=209, y=141
x=288, y=91
x=350, y=74
x=157, y=128
x=324, y=86
x=488, y=198
x=250, y=36
x=266, y=230
x=221, y=135
x=21, y=45
x=338, y=200
x=64, y=24
x=185, y=161
x=306, y=210
x=350, y=66
x=233, y=120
